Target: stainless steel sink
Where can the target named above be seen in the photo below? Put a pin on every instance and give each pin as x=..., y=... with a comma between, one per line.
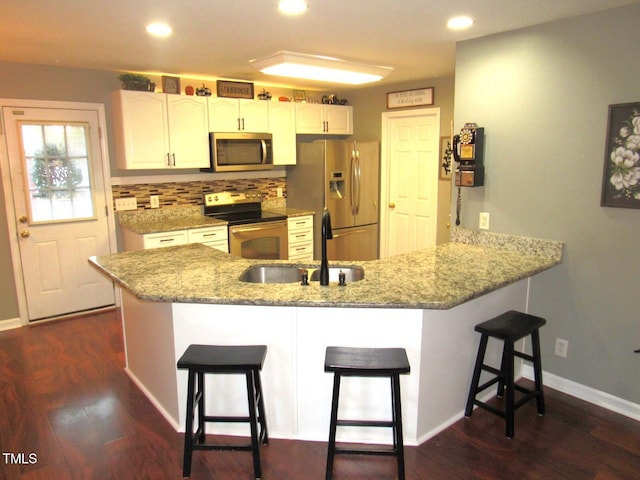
x=293, y=273
x=272, y=274
x=352, y=273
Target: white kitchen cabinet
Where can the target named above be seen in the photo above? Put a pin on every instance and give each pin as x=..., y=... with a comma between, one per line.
x=282, y=125
x=316, y=118
x=215, y=237
x=300, y=238
x=238, y=115
x=136, y=241
x=157, y=130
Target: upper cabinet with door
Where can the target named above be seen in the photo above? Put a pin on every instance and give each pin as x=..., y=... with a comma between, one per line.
x=157, y=130
x=282, y=125
x=238, y=115
x=315, y=118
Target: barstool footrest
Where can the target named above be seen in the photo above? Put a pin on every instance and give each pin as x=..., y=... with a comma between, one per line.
x=219, y=419
x=364, y=423
x=214, y=446
x=490, y=408
x=391, y=452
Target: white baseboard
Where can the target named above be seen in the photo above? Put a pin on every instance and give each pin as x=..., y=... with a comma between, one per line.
x=588, y=394
x=10, y=323
x=153, y=400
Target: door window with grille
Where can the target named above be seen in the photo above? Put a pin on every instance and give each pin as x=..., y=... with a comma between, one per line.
x=58, y=176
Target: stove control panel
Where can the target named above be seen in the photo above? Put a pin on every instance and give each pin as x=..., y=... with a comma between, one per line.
x=231, y=197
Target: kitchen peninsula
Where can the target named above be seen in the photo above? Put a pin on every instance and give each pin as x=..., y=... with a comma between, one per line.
x=426, y=301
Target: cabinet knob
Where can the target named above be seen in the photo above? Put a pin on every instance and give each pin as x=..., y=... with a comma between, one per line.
x=25, y=234
x=23, y=219
x=392, y=205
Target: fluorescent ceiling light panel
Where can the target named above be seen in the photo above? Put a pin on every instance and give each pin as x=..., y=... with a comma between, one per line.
x=459, y=23
x=315, y=67
x=292, y=7
x=159, y=29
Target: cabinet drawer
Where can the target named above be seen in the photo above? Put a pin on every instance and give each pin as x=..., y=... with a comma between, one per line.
x=298, y=236
x=167, y=239
x=208, y=235
x=302, y=251
x=300, y=223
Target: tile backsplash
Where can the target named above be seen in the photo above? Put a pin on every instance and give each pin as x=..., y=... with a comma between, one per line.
x=190, y=193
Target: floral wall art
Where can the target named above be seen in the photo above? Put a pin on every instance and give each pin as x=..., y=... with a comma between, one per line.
x=621, y=178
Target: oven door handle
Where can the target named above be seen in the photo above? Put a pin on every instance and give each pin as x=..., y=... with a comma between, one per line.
x=261, y=226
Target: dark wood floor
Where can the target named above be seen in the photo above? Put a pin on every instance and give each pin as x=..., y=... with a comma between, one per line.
x=68, y=411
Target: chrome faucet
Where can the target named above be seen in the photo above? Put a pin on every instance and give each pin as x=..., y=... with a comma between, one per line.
x=327, y=234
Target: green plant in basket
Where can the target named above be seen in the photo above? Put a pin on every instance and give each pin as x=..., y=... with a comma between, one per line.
x=134, y=81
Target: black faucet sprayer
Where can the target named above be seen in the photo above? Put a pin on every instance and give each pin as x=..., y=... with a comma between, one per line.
x=327, y=234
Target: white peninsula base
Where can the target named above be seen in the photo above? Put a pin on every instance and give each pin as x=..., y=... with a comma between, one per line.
x=441, y=346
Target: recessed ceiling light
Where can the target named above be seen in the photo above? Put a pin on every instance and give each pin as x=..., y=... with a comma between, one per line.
x=159, y=29
x=459, y=23
x=292, y=7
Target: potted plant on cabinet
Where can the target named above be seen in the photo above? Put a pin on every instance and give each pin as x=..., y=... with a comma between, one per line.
x=133, y=81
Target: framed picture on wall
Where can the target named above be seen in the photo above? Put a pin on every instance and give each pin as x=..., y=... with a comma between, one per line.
x=621, y=176
x=446, y=157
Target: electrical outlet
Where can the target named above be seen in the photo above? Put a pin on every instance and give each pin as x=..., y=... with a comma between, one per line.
x=128, y=203
x=279, y=191
x=483, y=222
x=154, y=201
x=562, y=346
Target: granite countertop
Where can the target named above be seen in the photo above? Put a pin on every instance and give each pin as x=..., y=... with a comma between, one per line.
x=471, y=265
x=182, y=218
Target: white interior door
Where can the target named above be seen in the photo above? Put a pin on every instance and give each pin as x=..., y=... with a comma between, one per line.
x=59, y=199
x=409, y=192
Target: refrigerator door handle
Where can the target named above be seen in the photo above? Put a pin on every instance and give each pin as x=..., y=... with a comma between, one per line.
x=352, y=182
x=359, y=182
x=350, y=232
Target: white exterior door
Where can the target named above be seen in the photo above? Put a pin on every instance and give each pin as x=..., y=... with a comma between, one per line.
x=409, y=180
x=59, y=200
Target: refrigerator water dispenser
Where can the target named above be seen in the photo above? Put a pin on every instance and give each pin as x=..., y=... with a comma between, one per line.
x=336, y=185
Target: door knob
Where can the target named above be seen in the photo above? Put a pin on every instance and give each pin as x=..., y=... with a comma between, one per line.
x=23, y=219
x=25, y=233
x=392, y=205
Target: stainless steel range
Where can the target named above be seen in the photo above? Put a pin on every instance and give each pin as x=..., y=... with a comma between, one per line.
x=253, y=232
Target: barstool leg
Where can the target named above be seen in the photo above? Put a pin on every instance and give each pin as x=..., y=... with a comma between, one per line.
x=537, y=370
x=262, y=416
x=510, y=394
x=503, y=366
x=398, y=441
x=333, y=426
x=188, y=429
x=253, y=422
x=201, y=414
x=475, y=378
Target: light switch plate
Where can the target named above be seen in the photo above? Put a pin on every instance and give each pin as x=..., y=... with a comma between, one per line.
x=483, y=222
x=154, y=201
x=128, y=203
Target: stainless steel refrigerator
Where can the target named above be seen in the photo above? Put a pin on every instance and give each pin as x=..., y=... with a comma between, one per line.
x=344, y=176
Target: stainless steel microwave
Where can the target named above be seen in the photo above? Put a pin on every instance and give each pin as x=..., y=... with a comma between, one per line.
x=240, y=151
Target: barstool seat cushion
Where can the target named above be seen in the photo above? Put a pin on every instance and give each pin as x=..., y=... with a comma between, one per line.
x=366, y=361
x=511, y=325
x=219, y=358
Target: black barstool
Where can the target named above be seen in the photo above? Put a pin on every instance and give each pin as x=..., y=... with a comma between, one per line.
x=367, y=362
x=510, y=327
x=214, y=359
